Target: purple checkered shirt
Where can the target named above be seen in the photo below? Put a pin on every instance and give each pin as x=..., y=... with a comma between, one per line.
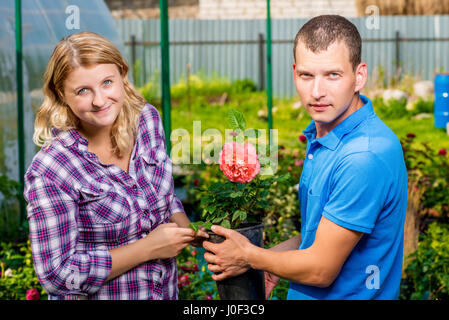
x=79, y=209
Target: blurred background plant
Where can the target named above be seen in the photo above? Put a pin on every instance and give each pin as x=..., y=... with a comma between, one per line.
x=18, y=281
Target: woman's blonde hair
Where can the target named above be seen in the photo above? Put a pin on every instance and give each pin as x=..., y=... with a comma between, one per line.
x=85, y=49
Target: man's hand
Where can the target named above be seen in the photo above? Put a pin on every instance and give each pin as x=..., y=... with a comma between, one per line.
x=229, y=258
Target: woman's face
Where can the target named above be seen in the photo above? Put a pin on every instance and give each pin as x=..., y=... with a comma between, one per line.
x=95, y=94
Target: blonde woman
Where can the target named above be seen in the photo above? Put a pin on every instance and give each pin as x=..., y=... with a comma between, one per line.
x=104, y=221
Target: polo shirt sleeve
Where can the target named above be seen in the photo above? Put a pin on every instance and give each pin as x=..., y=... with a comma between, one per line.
x=358, y=190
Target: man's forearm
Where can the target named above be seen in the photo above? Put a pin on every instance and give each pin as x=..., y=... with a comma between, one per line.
x=295, y=265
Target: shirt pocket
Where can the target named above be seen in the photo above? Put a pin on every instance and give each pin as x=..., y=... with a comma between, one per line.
x=314, y=211
x=110, y=233
x=157, y=170
x=102, y=204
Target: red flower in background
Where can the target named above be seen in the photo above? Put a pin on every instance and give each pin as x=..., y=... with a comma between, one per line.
x=33, y=294
x=302, y=138
x=442, y=152
x=411, y=135
x=183, y=281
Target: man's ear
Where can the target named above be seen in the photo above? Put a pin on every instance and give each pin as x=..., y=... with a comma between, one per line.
x=361, y=76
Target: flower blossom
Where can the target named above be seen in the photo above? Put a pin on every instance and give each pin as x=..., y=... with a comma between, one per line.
x=33, y=294
x=238, y=162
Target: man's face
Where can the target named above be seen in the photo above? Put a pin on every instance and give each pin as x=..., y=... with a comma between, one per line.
x=326, y=83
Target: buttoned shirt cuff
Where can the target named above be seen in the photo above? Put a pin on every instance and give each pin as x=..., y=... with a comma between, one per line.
x=100, y=268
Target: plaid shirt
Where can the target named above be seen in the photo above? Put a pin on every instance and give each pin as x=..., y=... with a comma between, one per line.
x=79, y=209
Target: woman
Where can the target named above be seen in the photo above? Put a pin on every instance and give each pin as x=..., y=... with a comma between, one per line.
x=104, y=221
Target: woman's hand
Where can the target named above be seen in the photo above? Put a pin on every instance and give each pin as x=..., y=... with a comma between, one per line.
x=271, y=282
x=200, y=236
x=167, y=241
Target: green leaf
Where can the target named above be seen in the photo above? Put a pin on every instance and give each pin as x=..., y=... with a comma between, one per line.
x=236, y=194
x=217, y=220
x=264, y=193
x=226, y=224
x=208, y=225
x=195, y=225
x=205, y=200
x=236, y=120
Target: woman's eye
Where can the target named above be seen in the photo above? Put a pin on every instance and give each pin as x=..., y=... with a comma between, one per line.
x=81, y=91
x=107, y=82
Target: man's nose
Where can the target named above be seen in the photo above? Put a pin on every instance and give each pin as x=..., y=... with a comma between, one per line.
x=318, y=90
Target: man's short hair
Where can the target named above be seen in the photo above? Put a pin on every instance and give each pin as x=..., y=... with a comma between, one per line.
x=320, y=32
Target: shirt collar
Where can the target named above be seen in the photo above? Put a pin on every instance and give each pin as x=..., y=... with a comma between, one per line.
x=70, y=137
x=332, y=139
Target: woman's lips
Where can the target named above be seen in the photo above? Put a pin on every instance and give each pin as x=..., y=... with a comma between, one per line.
x=103, y=110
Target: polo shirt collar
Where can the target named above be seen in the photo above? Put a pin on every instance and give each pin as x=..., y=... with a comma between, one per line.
x=332, y=139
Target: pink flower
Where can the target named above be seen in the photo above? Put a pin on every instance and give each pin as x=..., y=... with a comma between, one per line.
x=302, y=138
x=33, y=294
x=238, y=162
x=183, y=281
x=442, y=152
x=299, y=163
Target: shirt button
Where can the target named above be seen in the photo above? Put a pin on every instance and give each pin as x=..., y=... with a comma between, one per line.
x=310, y=156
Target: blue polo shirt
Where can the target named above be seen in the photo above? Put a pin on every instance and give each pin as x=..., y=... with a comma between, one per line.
x=355, y=176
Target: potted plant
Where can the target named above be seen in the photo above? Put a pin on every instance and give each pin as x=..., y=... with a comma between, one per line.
x=238, y=202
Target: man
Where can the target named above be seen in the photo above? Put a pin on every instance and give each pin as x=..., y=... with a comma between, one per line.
x=353, y=188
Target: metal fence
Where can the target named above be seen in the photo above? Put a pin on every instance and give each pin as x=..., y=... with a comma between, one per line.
x=415, y=45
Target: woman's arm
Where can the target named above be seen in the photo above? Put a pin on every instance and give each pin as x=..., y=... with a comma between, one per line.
x=166, y=241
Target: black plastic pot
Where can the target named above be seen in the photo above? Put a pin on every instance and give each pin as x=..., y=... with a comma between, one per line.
x=251, y=284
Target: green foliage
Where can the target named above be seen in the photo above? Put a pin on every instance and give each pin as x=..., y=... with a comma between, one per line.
x=194, y=279
x=428, y=271
x=197, y=87
x=422, y=106
x=282, y=218
x=10, y=226
x=430, y=168
x=17, y=272
x=392, y=109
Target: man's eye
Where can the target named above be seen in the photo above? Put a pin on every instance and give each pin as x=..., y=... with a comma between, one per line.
x=305, y=75
x=334, y=75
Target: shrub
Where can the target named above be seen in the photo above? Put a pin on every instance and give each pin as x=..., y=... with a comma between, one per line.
x=392, y=109
x=430, y=168
x=427, y=273
x=18, y=278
